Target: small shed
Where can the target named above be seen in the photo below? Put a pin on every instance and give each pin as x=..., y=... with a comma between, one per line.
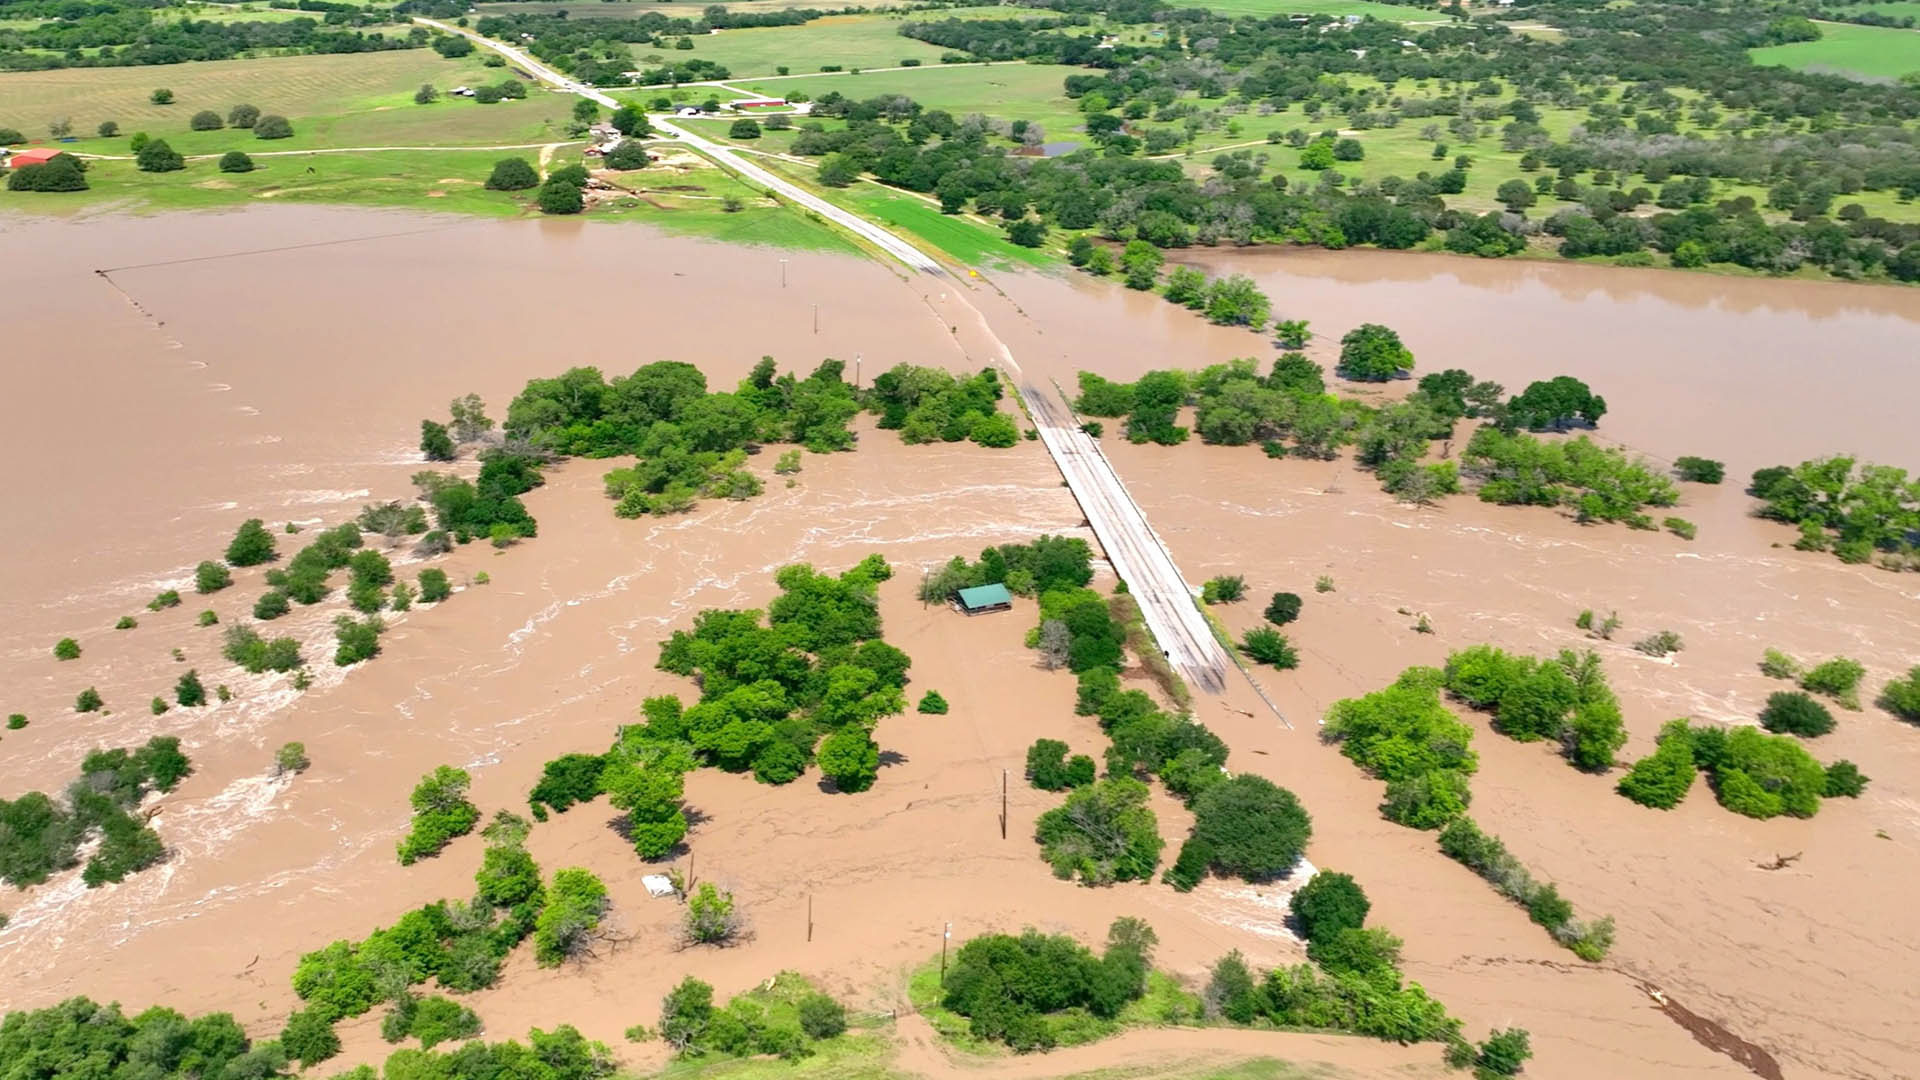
x=39, y=155
x=983, y=598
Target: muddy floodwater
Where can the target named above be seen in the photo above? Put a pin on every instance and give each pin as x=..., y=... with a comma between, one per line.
x=276, y=363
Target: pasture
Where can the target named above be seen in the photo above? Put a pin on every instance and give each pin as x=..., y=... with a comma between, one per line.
x=848, y=41
x=1870, y=52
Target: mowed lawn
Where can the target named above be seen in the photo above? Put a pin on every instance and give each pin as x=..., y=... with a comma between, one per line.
x=850, y=41
x=1385, y=12
x=293, y=86
x=1845, y=49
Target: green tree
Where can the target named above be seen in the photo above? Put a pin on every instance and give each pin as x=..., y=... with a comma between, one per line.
x=291, y=758
x=88, y=701
x=1373, y=353
x=1555, y=403
x=233, y=161
x=205, y=120
x=1838, y=678
x=435, y=442
x=569, y=924
x=271, y=605
x=1105, y=832
x=189, y=691
x=243, y=116
x=712, y=917
x=1140, y=264
x=1792, y=712
x=434, y=585
x=1901, y=697
x=557, y=196
x=850, y=758
x=1327, y=904
x=932, y=704
x=1256, y=829
x=66, y=649
x=685, y=1014
x=272, y=127
x=1503, y=1053
x=512, y=174
x=630, y=121
x=157, y=156
x=252, y=545
x=308, y=1036
x=161, y=96
x=1699, y=470
x=1269, y=646
x=108, y=129
x=821, y=1017
x=744, y=128
x=1516, y=195
x=627, y=155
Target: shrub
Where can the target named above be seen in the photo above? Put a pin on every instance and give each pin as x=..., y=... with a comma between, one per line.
x=357, y=640
x=1226, y=589
x=850, y=758
x=1105, y=832
x=272, y=127
x=206, y=618
x=1256, y=829
x=1005, y=985
x=1664, y=643
x=126, y=622
x=1269, y=646
x=162, y=96
x=1901, y=697
x=271, y=605
x=434, y=585
x=1838, y=678
x=16, y=721
x=821, y=1017
x=1681, y=527
x=158, y=705
x=1503, y=1053
x=245, y=647
x=1844, y=780
x=744, y=128
x=1047, y=764
x=932, y=704
x=291, y=758
x=1775, y=664
x=1323, y=583
x=512, y=174
x=711, y=918
x=1699, y=470
x=1283, y=608
x=205, y=120
x=62, y=172
x=87, y=701
x=251, y=545
x=66, y=649
x=1793, y=712
x=1373, y=353
x=685, y=1014
x=243, y=116
x=167, y=599
x=1327, y=904
x=570, y=922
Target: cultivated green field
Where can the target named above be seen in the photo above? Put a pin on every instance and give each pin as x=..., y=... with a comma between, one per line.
x=1386, y=12
x=1854, y=51
x=1025, y=91
x=630, y=9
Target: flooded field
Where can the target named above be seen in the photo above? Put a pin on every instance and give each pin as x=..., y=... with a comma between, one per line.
x=276, y=363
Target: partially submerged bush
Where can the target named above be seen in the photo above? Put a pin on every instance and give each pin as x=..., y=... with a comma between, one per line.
x=1792, y=712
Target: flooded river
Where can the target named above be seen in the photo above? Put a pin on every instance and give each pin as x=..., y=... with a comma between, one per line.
x=276, y=363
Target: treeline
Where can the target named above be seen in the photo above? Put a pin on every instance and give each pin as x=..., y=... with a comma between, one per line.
x=1288, y=411
x=128, y=37
x=1406, y=737
x=41, y=836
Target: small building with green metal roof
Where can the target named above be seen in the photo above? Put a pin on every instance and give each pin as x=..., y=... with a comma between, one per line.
x=983, y=598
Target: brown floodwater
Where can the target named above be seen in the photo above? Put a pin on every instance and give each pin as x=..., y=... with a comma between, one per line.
x=276, y=362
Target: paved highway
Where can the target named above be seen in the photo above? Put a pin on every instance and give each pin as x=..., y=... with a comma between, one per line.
x=1165, y=598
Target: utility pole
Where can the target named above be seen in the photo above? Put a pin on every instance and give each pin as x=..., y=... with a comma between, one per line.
x=944, y=938
x=809, y=896
x=1003, y=804
x=816, y=318
x=783, y=273
x=856, y=371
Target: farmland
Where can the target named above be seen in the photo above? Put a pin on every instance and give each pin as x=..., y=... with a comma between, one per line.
x=844, y=40
x=1854, y=51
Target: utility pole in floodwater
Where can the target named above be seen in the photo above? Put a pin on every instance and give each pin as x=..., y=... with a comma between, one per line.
x=816, y=318
x=783, y=273
x=945, y=936
x=1003, y=804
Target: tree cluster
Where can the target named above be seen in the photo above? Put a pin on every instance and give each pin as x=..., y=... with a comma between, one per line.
x=1854, y=509
x=78, y=1037
x=782, y=1019
x=930, y=405
x=113, y=33
x=441, y=812
x=1017, y=989
x=1046, y=564
x=1565, y=699
x=1105, y=832
x=1752, y=772
x=1484, y=854
x=41, y=836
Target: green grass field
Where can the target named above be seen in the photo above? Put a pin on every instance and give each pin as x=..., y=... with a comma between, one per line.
x=293, y=86
x=865, y=41
x=1855, y=51
x=1263, y=8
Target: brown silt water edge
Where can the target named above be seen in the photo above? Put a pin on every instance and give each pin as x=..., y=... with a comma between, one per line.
x=276, y=362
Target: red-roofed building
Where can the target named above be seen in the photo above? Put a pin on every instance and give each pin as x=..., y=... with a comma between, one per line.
x=39, y=155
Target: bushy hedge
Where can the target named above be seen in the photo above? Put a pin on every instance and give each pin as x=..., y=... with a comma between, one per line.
x=41, y=836
x=1009, y=986
x=1484, y=854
